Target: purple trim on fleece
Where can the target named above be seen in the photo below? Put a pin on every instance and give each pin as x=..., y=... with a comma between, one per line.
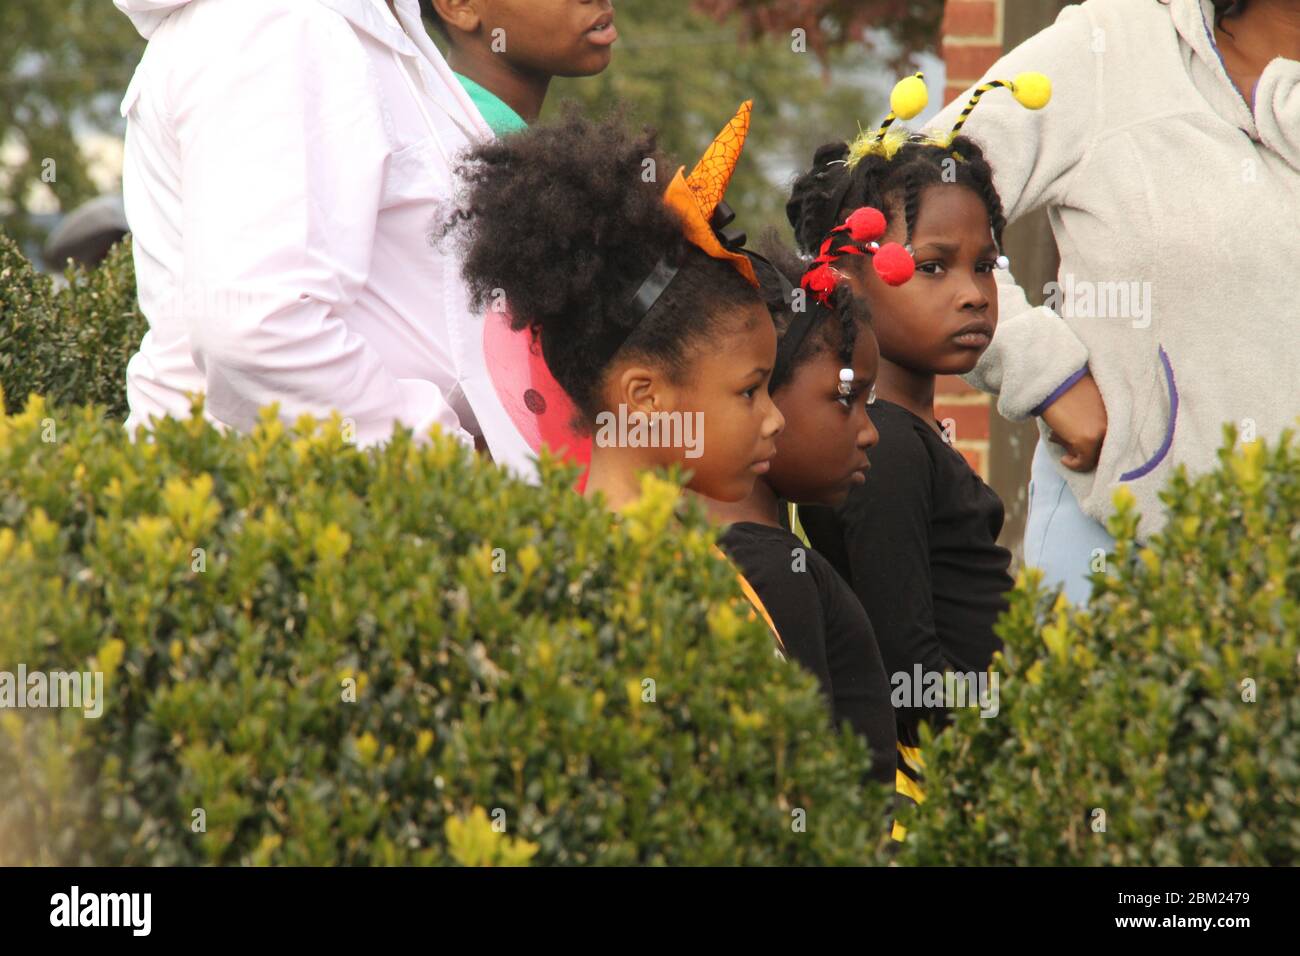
x=1215, y=47
x=1210, y=34
x=1058, y=392
x=1165, y=445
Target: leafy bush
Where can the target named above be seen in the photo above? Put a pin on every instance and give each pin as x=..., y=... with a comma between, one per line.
x=1166, y=712
x=1158, y=725
x=236, y=591
x=69, y=344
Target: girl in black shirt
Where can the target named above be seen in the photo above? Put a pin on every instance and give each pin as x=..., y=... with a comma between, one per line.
x=917, y=540
x=822, y=383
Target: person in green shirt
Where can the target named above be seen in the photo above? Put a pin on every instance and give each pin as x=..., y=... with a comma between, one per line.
x=504, y=52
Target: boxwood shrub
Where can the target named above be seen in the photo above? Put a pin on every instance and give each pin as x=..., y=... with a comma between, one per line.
x=319, y=655
x=70, y=341
x=1161, y=723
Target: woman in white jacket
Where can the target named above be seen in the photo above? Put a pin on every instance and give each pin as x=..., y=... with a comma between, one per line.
x=1169, y=162
x=283, y=162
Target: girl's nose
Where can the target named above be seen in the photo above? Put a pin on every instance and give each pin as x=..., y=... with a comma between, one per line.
x=868, y=437
x=774, y=421
x=972, y=297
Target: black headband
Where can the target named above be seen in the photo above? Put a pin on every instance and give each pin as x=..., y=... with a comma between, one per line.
x=795, y=333
x=661, y=276
x=654, y=285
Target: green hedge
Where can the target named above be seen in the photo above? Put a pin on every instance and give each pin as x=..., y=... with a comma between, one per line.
x=1161, y=724
x=514, y=693
x=1158, y=725
x=70, y=343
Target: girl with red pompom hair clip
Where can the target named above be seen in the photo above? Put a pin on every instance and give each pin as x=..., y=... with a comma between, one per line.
x=917, y=541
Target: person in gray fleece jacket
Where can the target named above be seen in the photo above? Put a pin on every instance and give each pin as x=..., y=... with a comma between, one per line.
x=1169, y=163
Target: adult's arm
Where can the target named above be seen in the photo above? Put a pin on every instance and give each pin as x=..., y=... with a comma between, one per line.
x=284, y=147
x=1035, y=155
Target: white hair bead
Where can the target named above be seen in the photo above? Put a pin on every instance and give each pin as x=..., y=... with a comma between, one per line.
x=846, y=375
x=1002, y=262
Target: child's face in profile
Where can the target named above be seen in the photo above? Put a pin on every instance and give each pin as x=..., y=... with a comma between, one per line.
x=727, y=384
x=942, y=319
x=550, y=37
x=715, y=416
x=823, y=452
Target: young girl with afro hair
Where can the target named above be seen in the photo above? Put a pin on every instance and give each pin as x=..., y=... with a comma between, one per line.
x=571, y=225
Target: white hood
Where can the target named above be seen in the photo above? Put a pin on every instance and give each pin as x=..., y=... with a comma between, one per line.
x=147, y=14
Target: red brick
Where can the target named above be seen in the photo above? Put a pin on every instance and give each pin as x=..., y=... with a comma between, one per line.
x=970, y=422
x=970, y=62
x=970, y=18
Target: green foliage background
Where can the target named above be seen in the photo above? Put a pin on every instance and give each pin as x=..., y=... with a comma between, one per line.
x=65, y=66
x=685, y=74
x=63, y=69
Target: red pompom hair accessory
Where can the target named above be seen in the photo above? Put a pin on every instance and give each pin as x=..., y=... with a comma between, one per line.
x=894, y=264
x=865, y=224
x=863, y=227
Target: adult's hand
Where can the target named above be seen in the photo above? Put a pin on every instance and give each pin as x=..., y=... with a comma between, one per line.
x=1078, y=423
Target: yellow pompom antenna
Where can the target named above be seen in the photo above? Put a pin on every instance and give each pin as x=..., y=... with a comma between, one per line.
x=907, y=99
x=1031, y=90
x=909, y=96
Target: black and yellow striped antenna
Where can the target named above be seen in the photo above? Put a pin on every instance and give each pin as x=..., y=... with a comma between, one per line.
x=908, y=98
x=1031, y=90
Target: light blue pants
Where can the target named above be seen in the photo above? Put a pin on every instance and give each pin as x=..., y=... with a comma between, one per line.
x=1059, y=537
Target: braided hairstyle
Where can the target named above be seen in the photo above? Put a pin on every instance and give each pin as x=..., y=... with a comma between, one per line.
x=560, y=218
x=833, y=329
x=893, y=186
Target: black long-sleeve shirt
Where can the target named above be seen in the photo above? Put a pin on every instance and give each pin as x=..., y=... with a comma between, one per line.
x=918, y=544
x=824, y=628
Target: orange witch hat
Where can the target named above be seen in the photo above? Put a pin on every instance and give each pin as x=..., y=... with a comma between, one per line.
x=695, y=197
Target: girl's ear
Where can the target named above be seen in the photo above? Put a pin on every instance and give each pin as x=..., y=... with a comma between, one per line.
x=641, y=389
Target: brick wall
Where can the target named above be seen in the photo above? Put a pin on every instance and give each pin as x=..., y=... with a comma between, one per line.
x=971, y=43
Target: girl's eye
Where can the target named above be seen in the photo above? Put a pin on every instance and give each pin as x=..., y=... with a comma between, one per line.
x=986, y=266
x=930, y=268
x=749, y=392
